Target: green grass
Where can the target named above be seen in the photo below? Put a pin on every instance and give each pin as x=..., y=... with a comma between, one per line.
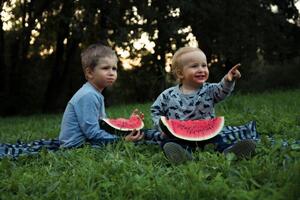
x=126, y=171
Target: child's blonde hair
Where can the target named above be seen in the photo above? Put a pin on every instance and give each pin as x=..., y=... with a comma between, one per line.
x=176, y=64
x=93, y=54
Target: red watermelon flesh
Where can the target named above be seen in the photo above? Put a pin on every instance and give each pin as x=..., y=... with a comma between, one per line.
x=193, y=130
x=122, y=124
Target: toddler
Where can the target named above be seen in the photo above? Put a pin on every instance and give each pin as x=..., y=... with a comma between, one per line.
x=194, y=98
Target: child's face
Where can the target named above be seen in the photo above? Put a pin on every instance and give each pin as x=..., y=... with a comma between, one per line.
x=194, y=69
x=104, y=74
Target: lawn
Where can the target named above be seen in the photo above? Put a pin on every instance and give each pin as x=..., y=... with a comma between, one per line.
x=127, y=171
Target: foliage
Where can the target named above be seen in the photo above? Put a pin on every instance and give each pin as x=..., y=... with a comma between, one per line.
x=127, y=171
x=42, y=48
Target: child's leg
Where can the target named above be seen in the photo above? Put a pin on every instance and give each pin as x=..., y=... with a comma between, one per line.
x=187, y=145
x=242, y=148
x=295, y=144
x=152, y=136
x=230, y=135
x=175, y=150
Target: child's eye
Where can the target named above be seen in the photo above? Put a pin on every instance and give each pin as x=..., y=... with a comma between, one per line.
x=105, y=67
x=114, y=68
x=194, y=66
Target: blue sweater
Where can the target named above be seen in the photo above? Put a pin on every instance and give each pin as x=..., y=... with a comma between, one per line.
x=80, y=122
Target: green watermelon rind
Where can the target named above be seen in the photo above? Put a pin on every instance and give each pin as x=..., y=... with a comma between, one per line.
x=164, y=125
x=106, y=125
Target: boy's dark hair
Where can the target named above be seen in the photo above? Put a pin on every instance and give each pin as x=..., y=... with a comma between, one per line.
x=91, y=56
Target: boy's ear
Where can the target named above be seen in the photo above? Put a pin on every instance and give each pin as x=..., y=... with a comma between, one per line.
x=88, y=73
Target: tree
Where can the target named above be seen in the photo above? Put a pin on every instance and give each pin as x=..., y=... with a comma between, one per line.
x=2, y=57
x=40, y=54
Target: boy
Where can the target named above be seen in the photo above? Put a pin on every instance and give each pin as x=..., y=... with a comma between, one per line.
x=80, y=120
x=193, y=98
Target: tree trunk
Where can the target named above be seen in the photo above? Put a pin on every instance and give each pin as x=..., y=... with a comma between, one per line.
x=104, y=22
x=57, y=75
x=19, y=62
x=3, y=75
x=161, y=50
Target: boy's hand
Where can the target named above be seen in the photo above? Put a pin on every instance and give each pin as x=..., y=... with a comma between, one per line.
x=134, y=136
x=138, y=113
x=233, y=73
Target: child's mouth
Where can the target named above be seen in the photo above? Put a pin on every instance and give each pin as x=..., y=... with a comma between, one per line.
x=200, y=76
x=110, y=80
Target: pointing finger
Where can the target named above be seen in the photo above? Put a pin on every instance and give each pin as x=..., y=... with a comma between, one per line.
x=235, y=67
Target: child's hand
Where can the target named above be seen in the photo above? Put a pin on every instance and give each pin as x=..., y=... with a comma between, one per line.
x=134, y=136
x=138, y=113
x=163, y=135
x=233, y=73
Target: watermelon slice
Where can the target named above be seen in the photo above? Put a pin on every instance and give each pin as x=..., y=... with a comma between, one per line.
x=122, y=126
x=192, y=130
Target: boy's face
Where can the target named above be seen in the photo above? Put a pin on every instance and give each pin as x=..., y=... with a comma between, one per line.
x=194, y=69
x=104, y=74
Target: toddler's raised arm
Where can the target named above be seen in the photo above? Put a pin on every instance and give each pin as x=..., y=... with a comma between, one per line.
x=233, y=73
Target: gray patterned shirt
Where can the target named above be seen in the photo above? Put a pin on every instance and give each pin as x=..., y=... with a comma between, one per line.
x=173, y=104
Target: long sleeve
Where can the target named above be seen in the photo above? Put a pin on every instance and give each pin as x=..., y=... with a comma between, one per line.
x=173, y=104
x=88, y=112
x=219, y=91
x=80, y=120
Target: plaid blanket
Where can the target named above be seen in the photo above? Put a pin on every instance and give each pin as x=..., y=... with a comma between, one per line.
x=228, y=136
x=20, y=148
